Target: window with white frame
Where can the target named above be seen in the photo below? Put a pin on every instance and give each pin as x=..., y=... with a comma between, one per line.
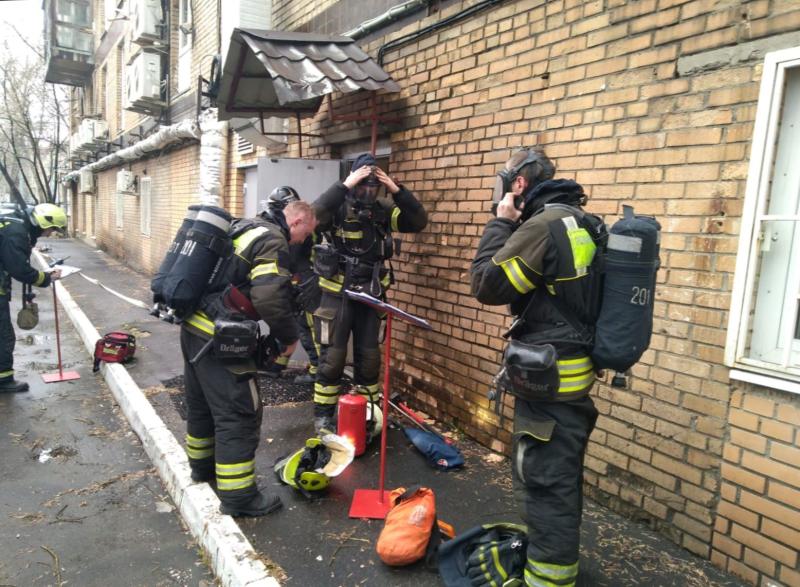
x=185, y=33
x=119, y=208
x=763, y=330
x=145, y=204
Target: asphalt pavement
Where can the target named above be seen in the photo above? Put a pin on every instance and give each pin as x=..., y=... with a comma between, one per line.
x=314, y=542
x=80, y=502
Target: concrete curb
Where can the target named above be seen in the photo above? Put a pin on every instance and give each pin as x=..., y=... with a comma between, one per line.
x=233, y=559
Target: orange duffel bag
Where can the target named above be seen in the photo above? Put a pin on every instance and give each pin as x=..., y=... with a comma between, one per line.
x=411, y=530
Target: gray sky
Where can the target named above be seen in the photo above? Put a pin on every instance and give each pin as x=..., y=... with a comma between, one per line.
x=26, y=17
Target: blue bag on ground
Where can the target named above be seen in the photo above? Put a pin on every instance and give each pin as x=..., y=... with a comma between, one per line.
x=441, y=455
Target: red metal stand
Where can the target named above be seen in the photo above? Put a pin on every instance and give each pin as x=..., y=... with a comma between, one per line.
x=61, y=375
x=374, y=503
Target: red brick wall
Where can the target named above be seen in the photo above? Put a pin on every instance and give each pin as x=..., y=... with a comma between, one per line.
x=596, y=83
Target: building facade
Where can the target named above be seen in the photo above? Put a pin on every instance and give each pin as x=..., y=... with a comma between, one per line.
x=684, y=108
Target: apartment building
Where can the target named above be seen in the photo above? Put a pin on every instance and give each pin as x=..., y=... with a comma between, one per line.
x=687, y=109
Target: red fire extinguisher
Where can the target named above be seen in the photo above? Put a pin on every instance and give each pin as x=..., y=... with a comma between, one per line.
x=353, y=420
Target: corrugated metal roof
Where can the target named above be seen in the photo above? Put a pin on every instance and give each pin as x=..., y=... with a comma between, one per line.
x=279, y=73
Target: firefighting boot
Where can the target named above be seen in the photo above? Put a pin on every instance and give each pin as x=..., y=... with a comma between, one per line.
x=305, y=379
x=11, y=385
x=251, y=503
x=324, y=419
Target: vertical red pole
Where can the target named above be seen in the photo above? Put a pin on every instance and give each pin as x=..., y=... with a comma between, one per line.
x=58, y=333
x=387, y=346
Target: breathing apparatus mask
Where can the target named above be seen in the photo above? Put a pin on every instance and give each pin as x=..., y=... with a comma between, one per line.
x=365, y=194
x=543, y=170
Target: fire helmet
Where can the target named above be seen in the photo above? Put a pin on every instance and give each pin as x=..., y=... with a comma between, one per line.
x=49, y=216
x=280, y=197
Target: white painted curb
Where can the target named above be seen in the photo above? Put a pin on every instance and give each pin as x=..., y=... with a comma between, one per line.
x=233, y=559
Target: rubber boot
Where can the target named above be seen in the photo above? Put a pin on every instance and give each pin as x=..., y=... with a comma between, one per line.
x=324, y=419
x=250, y=504
x=305, y=379
x=203, y=471
x=11, y=385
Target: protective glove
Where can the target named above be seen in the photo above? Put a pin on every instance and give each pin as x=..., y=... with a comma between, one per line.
x=497, y=563
x=309, y=294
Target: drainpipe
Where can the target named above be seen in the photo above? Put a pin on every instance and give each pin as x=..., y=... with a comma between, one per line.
x=213, y=156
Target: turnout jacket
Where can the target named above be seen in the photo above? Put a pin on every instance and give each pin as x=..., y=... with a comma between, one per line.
x=260, y=268
x=363, y=236
x=528, y=265
x=16, y=242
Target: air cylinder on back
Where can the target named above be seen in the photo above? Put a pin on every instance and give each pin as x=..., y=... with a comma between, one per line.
x=625, y=321
x=157, y=284
x=206, y=246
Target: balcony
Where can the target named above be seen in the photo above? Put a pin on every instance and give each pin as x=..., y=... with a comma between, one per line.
x=68, y=41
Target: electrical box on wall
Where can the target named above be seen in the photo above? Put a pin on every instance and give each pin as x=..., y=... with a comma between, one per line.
x=86, y=182
x=126, y=182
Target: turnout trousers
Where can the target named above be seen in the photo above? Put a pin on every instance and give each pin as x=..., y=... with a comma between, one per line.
x=223, y=423
x=335, y=320
x=549, y=445
x=7, y=338
x=305, y=326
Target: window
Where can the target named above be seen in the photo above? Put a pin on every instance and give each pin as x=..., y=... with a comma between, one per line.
x=185, y=30
x=763, y=330
x=145, y=201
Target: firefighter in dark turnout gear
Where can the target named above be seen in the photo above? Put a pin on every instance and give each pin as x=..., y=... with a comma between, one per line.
x=19, y=231
x=224, y=407
x=538, y=249
x=359, y=225
x=302, y=276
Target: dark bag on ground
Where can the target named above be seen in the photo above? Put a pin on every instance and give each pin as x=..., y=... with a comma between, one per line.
x=625, y=320
x=114, y=347
x=491, y=554
x=439, y=454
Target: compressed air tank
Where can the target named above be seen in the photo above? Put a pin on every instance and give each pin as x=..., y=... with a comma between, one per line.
x=625, y=319
x=204, y=249
x=157, y=284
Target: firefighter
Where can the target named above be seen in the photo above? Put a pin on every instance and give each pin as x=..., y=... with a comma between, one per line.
x=536, y=256
x=359, y=226
x=19, y=231
x=224, y=407
x=302, y=273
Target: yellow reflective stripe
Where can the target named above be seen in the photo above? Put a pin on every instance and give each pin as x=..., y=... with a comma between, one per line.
x=199, y=442
x=395, y=216
x=575, y=366
x=386, y=280
x=516, y=276
x=532, y=580
x=8, y=373
x=312, y=330
x=497, y=565
x=200, y=321
x=224, y=484
x=282, y=360
x=552, y=571
x=325, y=394
x=39, y=279
x=572, y=384
x=583, y=247
x=244, y=240
x=312, y=370
x=199, y=453
x=264, y=269
x=330, y=285
x=229, y=469
x=350, y=234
